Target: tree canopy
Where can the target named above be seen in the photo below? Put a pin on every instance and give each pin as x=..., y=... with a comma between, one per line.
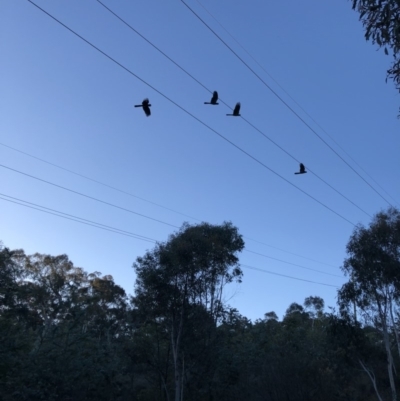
x=182, y=280
x=381, y=20
x=373, y=266
x=66, y=334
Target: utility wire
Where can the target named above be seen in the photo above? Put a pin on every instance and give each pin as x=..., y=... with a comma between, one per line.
x=285, y=103
x=142, y=215
x=87, y=196
x=118, y=231
x=291, y=253
x=124, y=232
x=284, y=275
x=96, y=181
x=222, y=101
x=151, y=202
x=130, y=211
x=190, y=114
x=294, y=100
x=293, y=264
x=74, y=218
x=138, y=236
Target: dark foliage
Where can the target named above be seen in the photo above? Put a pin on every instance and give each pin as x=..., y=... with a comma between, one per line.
x=381, y=20
x=66, y=334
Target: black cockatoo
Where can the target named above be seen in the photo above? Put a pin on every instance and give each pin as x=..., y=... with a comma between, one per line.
x=302, y=169
x=236, y=110
x=146, y=107
x=214, y=99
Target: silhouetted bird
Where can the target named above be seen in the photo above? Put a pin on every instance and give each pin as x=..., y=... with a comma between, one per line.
x=214, y=99
x=146, y=107
x=236, y=110
x=302, y=169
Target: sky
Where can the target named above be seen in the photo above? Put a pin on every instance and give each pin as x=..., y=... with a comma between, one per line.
x=67, y=113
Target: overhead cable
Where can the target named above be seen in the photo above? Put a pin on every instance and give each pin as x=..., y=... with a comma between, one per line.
x=190, y=114
x=74, y=218
x=118, y=231
x=286, y=276
x=286, y=104
x=151, y=202
x=226, y=104
x=294, y=100
x=87, y=196
x=293, y=264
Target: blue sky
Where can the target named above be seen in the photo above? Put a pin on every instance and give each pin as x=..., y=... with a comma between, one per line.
x=64, y=102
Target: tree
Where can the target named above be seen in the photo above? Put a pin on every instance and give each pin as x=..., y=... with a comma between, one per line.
x=190, y=269
x=381, y=19
x=58, y=325
x=373, y=266
x=314, y=307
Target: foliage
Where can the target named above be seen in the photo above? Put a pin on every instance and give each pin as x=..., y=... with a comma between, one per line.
x=381, y=20
x=66, y=334
x=180, y=286
x=373, y=266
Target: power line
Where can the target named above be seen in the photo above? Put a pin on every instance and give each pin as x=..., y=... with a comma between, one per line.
x=96, y=181
x=118, y=231
x=138, y=236
x=190, y=114
x=88, y=196
x=294, y=100
x=153, y=45
x=75, y=218
x=284, y=102
x=293, y=264
x=284, y=275
x=222, y=101
x=291, y=253
x=151, y=202
x=130, y=211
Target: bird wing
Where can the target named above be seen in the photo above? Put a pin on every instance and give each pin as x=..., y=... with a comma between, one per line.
x=237, y=108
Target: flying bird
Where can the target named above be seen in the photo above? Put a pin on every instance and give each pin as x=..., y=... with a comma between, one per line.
x=302, y=169
x=214, y=99
x=146, y=107
x=236, y=110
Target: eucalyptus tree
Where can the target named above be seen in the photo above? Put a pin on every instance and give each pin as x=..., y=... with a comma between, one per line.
x=373, y=268
x=381, y=20
x=60, y=330
x=182, y=276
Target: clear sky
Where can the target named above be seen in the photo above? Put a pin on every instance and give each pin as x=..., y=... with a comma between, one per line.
x=66, y=103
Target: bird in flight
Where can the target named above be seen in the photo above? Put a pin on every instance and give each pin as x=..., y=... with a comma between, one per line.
x=214, y=99
x=146, y=107
x=302, y=169
x=236, y=110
